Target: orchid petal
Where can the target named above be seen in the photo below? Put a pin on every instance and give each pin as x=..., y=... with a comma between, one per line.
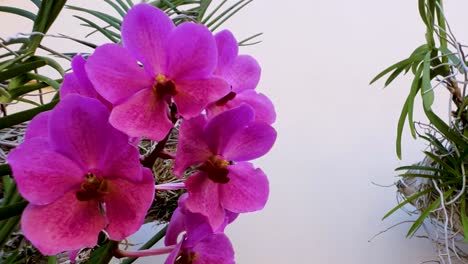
x=43, y=175
x=64, y=225
x=194, y=95
x=142, y=115
x=176, y=226
x=219, y=130
x=247, y=190
x=78, y=128
x=264, y=108
x=191, y=52
x=145, y=30
x=227, y=50
x=38, y=127
x=214, y=249
x=244, y=74
x=204, y=199
x=127, y=203
x=115, y=73
x=174, y=254
x=191, y=149
x=250, y=143
x=77, y=82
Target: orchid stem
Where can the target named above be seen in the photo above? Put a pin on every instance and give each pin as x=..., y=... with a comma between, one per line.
x=149, y=160
x=120, y=253
x=158, y=236
x=170, y=186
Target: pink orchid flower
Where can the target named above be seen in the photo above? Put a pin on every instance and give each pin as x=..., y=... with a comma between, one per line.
x=242, y=72
x=178, y=65
x=219, y=148
x=80, y=176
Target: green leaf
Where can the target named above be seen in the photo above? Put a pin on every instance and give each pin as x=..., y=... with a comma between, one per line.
x=52, y=260
x=112, y=21
x=401, y=124
x=453, y=58
x=204, y=4
x=445, y=130
x=442, y=163
x=398, y=65
x=4, y=65
x=205, y=20
x=421, y=175
x=415, y=86
x=122, y=5
x=98, y=28
x=5, y=169
x=18, y=11
x=407, y=201
x=421, y=168
x=426, y=87
x=12, y=210
x=116, y=8
x=226, y=16
x=103, y=254
x=21, y=69
x=52, y=63
x=244, y=42
x=18, y=118
x=41, y=78
x=426, y=213
x=37, y=3
x=464, y=218
x=21, y=90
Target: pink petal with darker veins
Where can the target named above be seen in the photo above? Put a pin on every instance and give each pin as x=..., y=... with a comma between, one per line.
x=43, y=175
x=191, y=53
x=250, y=142
x=77, y=82
x=219, y=130
x=142, y=115
x=79, y=129
x=191, y=149
x=247, y=189
x=227, y=51
x=64, y=225
x=244, y=74
x=214, y=249
x=115, y=73
x=194, y=95
x=38, y=127
x=145, y=30
x=176, y=226
x=127, y=203
x=264, y=108
x=204, y=198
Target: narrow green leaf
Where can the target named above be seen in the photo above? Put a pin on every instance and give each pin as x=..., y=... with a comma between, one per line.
x=226, y=17
x=130, y=3
x=426, y=87
x=116, y=8
x=453, y=58
x=407, y=201
x=4, y=65
x=421, y=168
x=20, y=69
x=204, y=4
x=419, y=175
x=12, y=210
x=21, y=90
x=415, y=86
x=244, y=42
x=426, y=213
x=52, y=63
x=224, y=13
x=37, y=3
x=401, y=124
x=205, y=20
x=445, y=130
x=422, y=11
x=442, y=163
x=52, y=260
x=100, y=29
x=18, y=118
x=18, y=11
x=400, y=64
x=112, y=21
x=41, y=78
x=464, y=218
x=122, y=5
x=103, y=254
x=394, y=74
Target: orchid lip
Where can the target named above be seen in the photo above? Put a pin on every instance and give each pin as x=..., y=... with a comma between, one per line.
x=92, y=188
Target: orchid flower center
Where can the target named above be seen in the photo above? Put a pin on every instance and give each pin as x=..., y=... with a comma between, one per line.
x=226, y=99
x=92, y=188
x=163, y=87
x=186, y=258
x=216, y=169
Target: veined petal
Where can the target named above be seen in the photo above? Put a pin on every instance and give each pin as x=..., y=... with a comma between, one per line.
x=115, y=73
x=247, y=189
x=121, y=159
x=127, y=203
x=219, y=130
x=79, y=129
x=77, y=82
x=142, y=115
x=191, y=52
x=227, y=51
x=194, y=95
x=204, y=198
x=38, y=127
x=176, y=226
x=214, y=249
x=43, y=175
x=264, y=108
x=250, y=143
x=174, y=254
x=191, y=149
x=244, y=74
x=64, y=225
x=145, y=30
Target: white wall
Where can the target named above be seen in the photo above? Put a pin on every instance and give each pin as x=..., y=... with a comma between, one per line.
x=336, y=133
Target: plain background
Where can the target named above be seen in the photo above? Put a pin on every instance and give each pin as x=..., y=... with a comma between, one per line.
x=336, y=133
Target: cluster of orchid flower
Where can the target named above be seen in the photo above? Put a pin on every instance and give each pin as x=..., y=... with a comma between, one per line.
x=79, y=165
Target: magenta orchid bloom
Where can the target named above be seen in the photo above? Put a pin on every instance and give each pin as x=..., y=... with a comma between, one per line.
x=242, y=72
x=77, y=82
x=178, y=65
x=200, y=244
x=220, y=148
x=80, y=176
